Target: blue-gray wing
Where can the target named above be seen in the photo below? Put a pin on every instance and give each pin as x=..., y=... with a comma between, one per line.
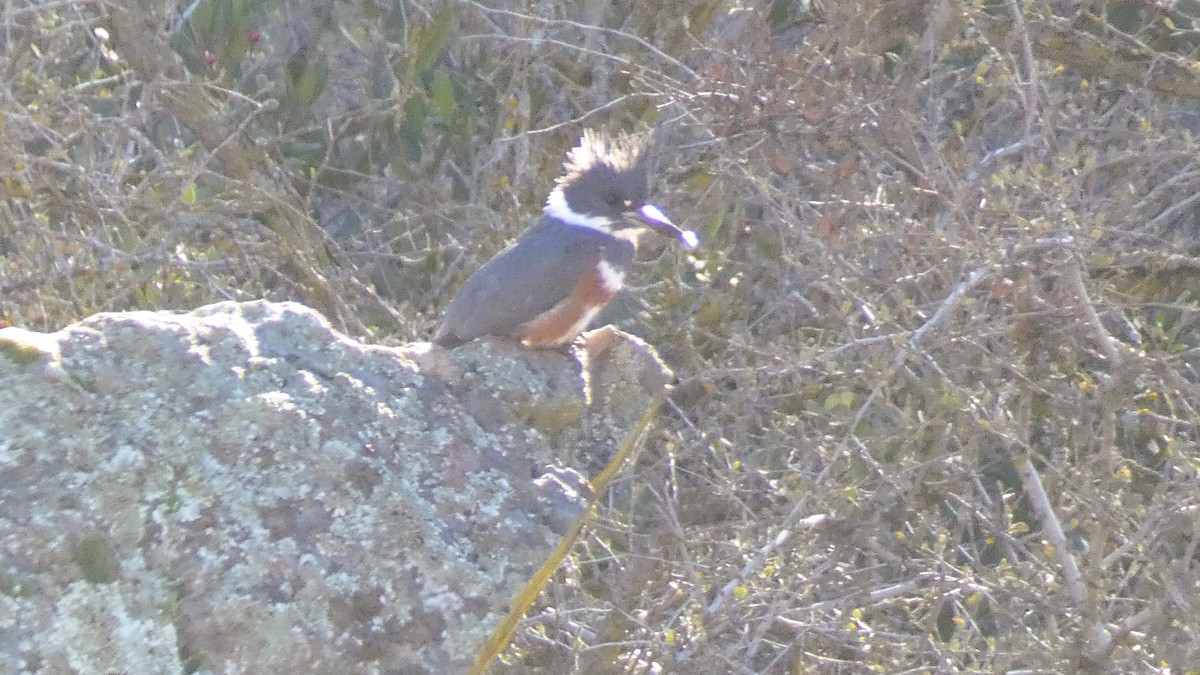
x=525, y=280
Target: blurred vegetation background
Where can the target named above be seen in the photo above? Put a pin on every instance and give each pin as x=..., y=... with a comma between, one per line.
x=937, y=398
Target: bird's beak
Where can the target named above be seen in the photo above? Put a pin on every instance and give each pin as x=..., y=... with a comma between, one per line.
x=655, y=219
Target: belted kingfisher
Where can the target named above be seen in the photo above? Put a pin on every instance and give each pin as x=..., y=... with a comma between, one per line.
x=546, y=287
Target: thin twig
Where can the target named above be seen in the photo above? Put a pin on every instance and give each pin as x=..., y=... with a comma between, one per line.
x=1032, y=483
x=1105, y=342
x=586, y=27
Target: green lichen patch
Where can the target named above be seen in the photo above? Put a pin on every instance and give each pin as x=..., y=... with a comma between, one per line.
x=97, y=559
x=551, y=418
x=13, y=586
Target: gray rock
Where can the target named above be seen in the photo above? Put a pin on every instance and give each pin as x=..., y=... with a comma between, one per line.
x=241, y=489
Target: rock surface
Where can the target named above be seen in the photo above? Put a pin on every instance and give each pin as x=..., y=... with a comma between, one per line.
x=241, y=489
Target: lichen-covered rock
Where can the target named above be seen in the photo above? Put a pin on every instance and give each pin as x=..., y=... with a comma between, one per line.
x=241, y=489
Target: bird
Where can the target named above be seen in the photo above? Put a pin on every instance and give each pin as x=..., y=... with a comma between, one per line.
x=544, y=289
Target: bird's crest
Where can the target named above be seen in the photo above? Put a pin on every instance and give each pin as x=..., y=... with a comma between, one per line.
x=620, y=155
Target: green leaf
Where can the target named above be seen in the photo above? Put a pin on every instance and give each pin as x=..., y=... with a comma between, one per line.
x=309, y=82
x=443, y=94
x=412, y=129
x=431, y=40
x=203, y=18
x=189, y=194
x=222, y=19
x=239, y=11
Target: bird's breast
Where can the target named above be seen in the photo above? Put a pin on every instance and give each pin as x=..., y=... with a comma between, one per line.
x=560, y=324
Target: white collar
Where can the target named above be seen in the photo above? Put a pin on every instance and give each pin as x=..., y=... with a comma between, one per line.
x=556, y=207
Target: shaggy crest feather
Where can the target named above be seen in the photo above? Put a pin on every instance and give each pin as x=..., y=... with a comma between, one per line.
x=596, y=148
